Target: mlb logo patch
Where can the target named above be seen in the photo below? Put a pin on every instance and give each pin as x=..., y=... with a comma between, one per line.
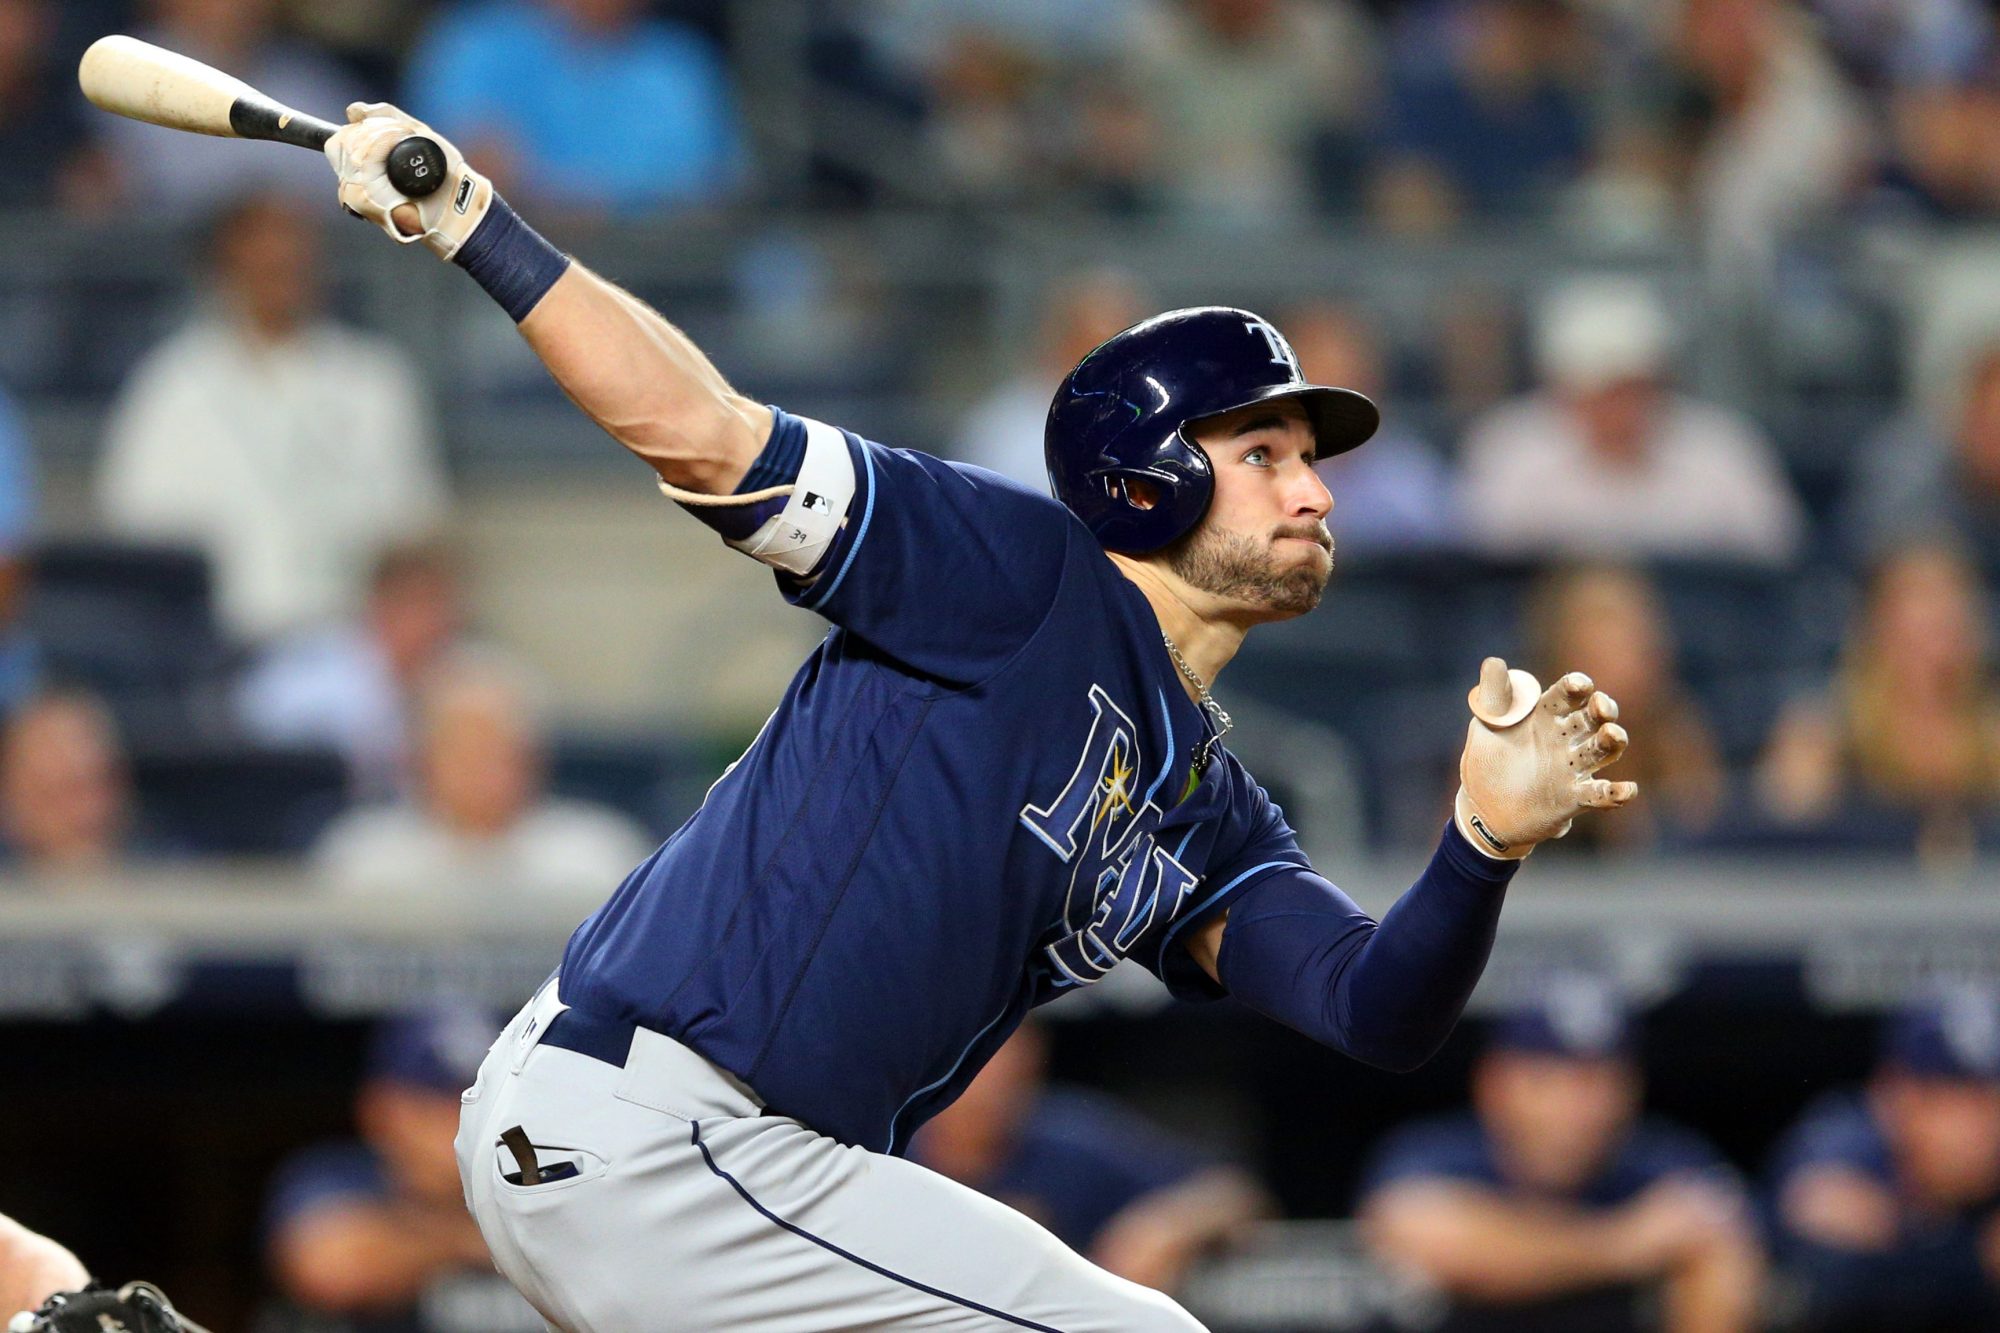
x=816, y=503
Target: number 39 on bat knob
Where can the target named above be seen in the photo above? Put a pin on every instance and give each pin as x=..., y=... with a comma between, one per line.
x=416, y=167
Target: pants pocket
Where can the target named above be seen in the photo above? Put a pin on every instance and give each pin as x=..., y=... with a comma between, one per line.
x=556, y=1167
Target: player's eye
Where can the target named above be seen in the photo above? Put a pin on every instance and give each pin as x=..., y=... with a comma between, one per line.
x=1258, y=457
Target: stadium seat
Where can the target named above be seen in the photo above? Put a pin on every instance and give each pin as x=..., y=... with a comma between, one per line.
x=227, y=800
x=134, y=623
x=652, y=779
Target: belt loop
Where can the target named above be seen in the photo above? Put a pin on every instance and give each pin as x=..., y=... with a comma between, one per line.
x=541, y=1011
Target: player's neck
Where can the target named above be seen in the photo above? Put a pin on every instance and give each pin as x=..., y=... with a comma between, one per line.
x=1206, y=633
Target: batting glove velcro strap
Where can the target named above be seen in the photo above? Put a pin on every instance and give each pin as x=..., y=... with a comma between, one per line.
x=1531, y=757
x=359, y=152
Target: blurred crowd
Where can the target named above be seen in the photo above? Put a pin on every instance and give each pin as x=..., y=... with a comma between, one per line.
x=268, y=594
x=260, y=642
x=1552, y=1201
x=1750, y=119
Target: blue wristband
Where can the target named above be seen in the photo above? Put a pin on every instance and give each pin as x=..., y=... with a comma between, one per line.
x=511, y=260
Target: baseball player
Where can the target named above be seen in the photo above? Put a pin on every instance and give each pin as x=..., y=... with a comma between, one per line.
x=998, y=776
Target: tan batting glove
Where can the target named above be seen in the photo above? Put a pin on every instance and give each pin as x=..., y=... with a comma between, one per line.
x=359, y=152
x=1530, y=757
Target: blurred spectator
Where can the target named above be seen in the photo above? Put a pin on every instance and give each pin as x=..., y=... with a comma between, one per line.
x=18, y=665
x=1910, y=724
x=1553, y=1205
x=188, y=175
x=1915, y=482
x=372, y=1235
x=1606, y=460
x=66, y=805
x=1393, y=495
x=288, y=447
x=1897, y=42
x=368, y=36
x=529, y=89
x=350, y=686
x=1485, y=117
x=45, y=157
x=1786, y=142
x=1003, y=431
x=1236, y=91
x=1111, y=1186
x=480, y=826
x=1607, y=621
x=1944, y=161
x=1888, y=1200
x=1018, y=106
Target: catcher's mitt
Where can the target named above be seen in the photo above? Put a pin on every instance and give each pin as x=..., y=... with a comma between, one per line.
x=136, y=1307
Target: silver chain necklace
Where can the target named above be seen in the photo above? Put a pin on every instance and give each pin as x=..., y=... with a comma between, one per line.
x=1218, y=718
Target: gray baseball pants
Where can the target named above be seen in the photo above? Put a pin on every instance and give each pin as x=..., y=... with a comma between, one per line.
x=670, y=1200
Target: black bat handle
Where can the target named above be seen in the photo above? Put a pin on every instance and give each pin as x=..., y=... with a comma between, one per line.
x=416, y=167
x=416, y=164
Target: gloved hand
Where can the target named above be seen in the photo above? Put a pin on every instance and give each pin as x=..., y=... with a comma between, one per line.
x=136, y=1307
x=1530, y=757
x=359, y=152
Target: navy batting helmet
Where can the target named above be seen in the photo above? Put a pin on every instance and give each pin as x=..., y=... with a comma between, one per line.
x=1121, y=417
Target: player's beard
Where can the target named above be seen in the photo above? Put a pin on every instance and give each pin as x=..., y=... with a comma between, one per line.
x=1244, y=569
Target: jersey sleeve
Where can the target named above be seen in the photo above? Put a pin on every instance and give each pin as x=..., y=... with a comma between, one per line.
x=1253, y=843
x=949, y=569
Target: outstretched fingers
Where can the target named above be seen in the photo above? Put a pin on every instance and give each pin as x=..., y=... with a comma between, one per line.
x=1599, y=748
x=1597, y=794
x=1567, y=694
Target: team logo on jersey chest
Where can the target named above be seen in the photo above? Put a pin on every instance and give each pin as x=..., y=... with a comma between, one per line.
x=1102, y=826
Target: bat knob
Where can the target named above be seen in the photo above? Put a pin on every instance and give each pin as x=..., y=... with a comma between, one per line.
x=416, y=167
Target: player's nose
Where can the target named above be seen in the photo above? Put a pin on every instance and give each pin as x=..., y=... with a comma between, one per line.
x=1308, y=496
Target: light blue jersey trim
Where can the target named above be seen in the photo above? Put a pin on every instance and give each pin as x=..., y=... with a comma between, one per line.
x=820, y=596
x=1167, y=768
x=929, y=1088
x=1167, y=940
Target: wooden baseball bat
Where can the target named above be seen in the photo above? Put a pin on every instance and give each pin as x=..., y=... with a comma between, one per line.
x=132, y=78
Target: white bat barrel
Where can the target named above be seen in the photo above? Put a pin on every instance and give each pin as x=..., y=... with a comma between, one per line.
x=145, y=82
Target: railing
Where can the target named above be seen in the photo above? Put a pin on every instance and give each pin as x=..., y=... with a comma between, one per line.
x=249, y=938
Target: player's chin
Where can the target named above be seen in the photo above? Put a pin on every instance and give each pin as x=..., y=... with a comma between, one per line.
x=1297, y=590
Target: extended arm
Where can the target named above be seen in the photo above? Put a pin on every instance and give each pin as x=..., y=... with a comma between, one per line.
x=1156, y=1238
x=1297, y=949
x=630, y=371
x=356, y=1255
x=1475, y=1242
x=1486, y=1246
x=645, y=383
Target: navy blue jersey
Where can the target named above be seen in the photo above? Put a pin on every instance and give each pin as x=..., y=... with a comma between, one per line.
x=976, y=795
x=1080, y=1159
x=1456, y=1148
x=1933, y=1278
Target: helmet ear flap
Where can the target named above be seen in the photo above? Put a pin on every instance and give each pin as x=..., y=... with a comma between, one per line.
x=1138, y=492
